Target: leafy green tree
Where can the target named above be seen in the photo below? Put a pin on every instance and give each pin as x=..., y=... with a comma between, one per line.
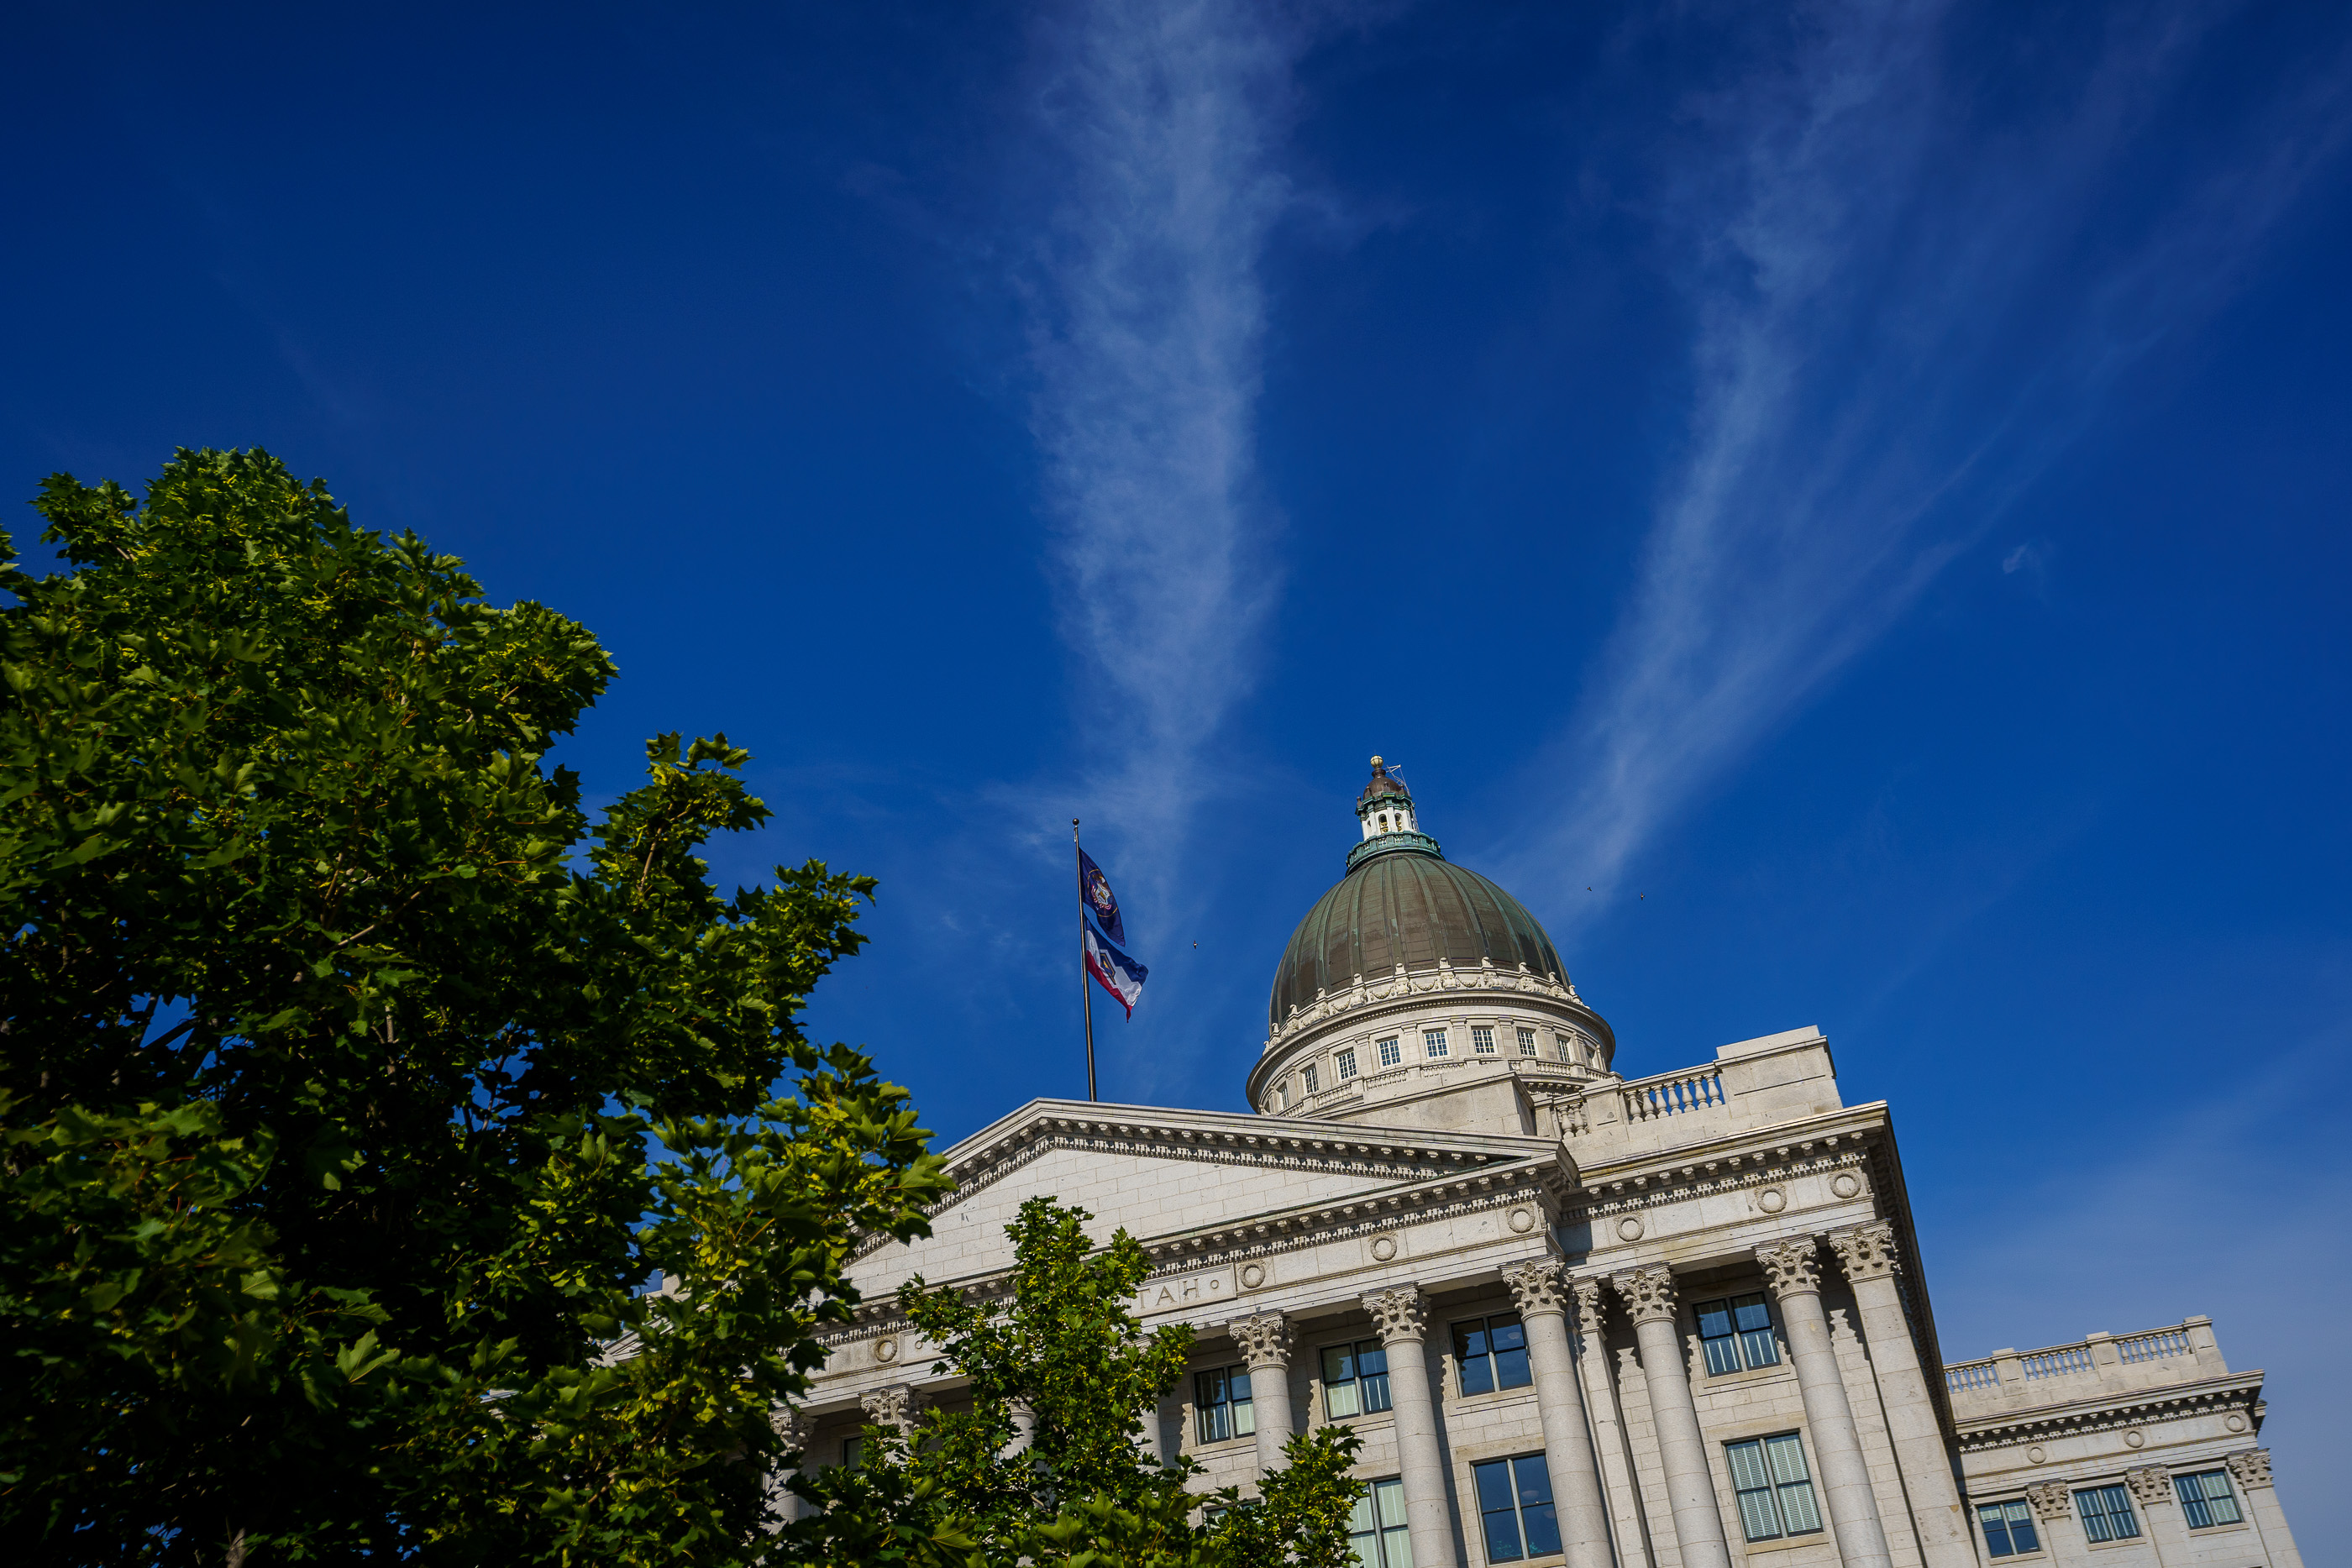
x=351, y=1081
x=1057, y=1353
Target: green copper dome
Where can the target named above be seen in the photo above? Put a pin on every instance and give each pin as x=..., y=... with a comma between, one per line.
x=1405, y=904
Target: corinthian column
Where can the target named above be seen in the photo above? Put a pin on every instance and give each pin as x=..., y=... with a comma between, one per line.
x=2061, y=1533
x=1429, y=1520
x=1265, y=1341
x=2152, y=1488
x=1541, y=1294
x=793, y=1429
x=1793, y=1268
x=1649, y=1297
x=1866, y=1253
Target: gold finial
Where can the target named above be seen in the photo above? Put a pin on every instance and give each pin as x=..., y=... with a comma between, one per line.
x=1376, y=762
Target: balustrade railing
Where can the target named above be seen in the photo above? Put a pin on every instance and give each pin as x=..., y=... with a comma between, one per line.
x=2058, y=1362
x=1674, y=1094
x=2158, y=1345
x=1971, y=1375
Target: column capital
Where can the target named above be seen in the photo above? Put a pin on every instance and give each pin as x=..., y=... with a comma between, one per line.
x=2149, y=1485
x=2050, y=1500
x=896, y=1405
x=1648, y=1293
x=2252, y=1468
x=1866, y=1252
x=1792, y=1267
x=1589, y=1304
x=1263, y=1338
x=793, y=1427
x=1399, y=1313
x=1536, y=1286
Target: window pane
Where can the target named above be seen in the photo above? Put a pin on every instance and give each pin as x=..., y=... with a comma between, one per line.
x=1757, y=1347
x=1750, y=1313
x=1360, y=1516
x=1536, y=1519
x=1747, y=1466
x=1244, y=1418
x=1338, y=1364
x=1341, y=1399
x=853, y=1451
x=1996, y=1532
x=1788, y=1457
x=1714, y=1318
x=1237, y=1387
x=1493, y=1479
x=1470, y=1357
x=1722, y=1356
x=1396, y=1547
x=2020, y=1527
x=1508, y=1337
x=1372, y=1372
x=1390, y=1496
x=1756, y=1520
x=1797, y=1508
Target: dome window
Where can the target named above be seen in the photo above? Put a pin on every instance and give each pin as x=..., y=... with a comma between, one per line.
x=1390, y=1053
x=1433, y=1043
x=1347, y=1059
x=1481, y=1039
x=1307, y=1078
x=1526, y=1042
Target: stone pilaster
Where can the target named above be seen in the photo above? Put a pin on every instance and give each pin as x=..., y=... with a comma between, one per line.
x=1649, y=1298
x=1265, y=1341
x=2062, y=1532
x=2159, y=1509
x=2252, y=1473
x=1541, y=1295
x=1867, y=1255
x=1400, y=1316
x=1607, y=1417
x=1793, y=1270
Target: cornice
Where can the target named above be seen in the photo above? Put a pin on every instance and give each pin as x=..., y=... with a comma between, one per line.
x=2109, y=1410
x=1841, y=1140
x=1540, y=1181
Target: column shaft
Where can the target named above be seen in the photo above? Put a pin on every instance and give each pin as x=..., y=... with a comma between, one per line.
x=1600, y=1375
x=1265, y=1340
x=1583, y=1514
x=1793, y=1266
x=1867, y=1255
x=1682, y=1451
x=1428, y=1517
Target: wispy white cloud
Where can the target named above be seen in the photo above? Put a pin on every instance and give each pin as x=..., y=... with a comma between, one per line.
x=1897, y=323
x=1149, y=322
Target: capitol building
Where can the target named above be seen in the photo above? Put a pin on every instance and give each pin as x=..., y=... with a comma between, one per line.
x=1678, y=1320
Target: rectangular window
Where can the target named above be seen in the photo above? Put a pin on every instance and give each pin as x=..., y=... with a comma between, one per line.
x=2107, y=1514
x=1307, y=1078
x=1567, y=1047
x=1221, y=1404
x=1390, y=1053
x=2207, y=1499
x=1491, y=1353
x=1432, y=1042
x=1737, y=1332
x=1482, y=1040
x=1376, y=1530
x=1282, y=1095
x=1347, y=1063
x=853, y=1452
x=1514, y=1507
x=1775, y=1489
x=2009, y=1529
x=1526, y=1042
x=1355, y=1379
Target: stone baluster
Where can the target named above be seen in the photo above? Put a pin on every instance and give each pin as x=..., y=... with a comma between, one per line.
x=1541, y=1296
x=1265, y=1341
x=2252, y=1471
x=1793, y=1270
x=2062, y=1532
x=2159, y=1509
x=1649, y=1297
x=1866, y=1253
x=1632, y=1537
x=1400, y=1315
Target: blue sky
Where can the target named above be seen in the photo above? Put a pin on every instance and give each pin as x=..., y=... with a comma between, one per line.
x=1841, y=507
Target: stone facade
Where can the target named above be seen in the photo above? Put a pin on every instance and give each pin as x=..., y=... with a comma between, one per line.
x=1691, y=1302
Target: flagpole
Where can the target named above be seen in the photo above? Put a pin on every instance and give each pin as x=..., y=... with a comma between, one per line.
x=1086, y=987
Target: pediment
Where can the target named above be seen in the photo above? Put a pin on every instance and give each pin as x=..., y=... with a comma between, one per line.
x=1168, y=1175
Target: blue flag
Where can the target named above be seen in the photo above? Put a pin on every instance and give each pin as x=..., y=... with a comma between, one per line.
x=1105, y=933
